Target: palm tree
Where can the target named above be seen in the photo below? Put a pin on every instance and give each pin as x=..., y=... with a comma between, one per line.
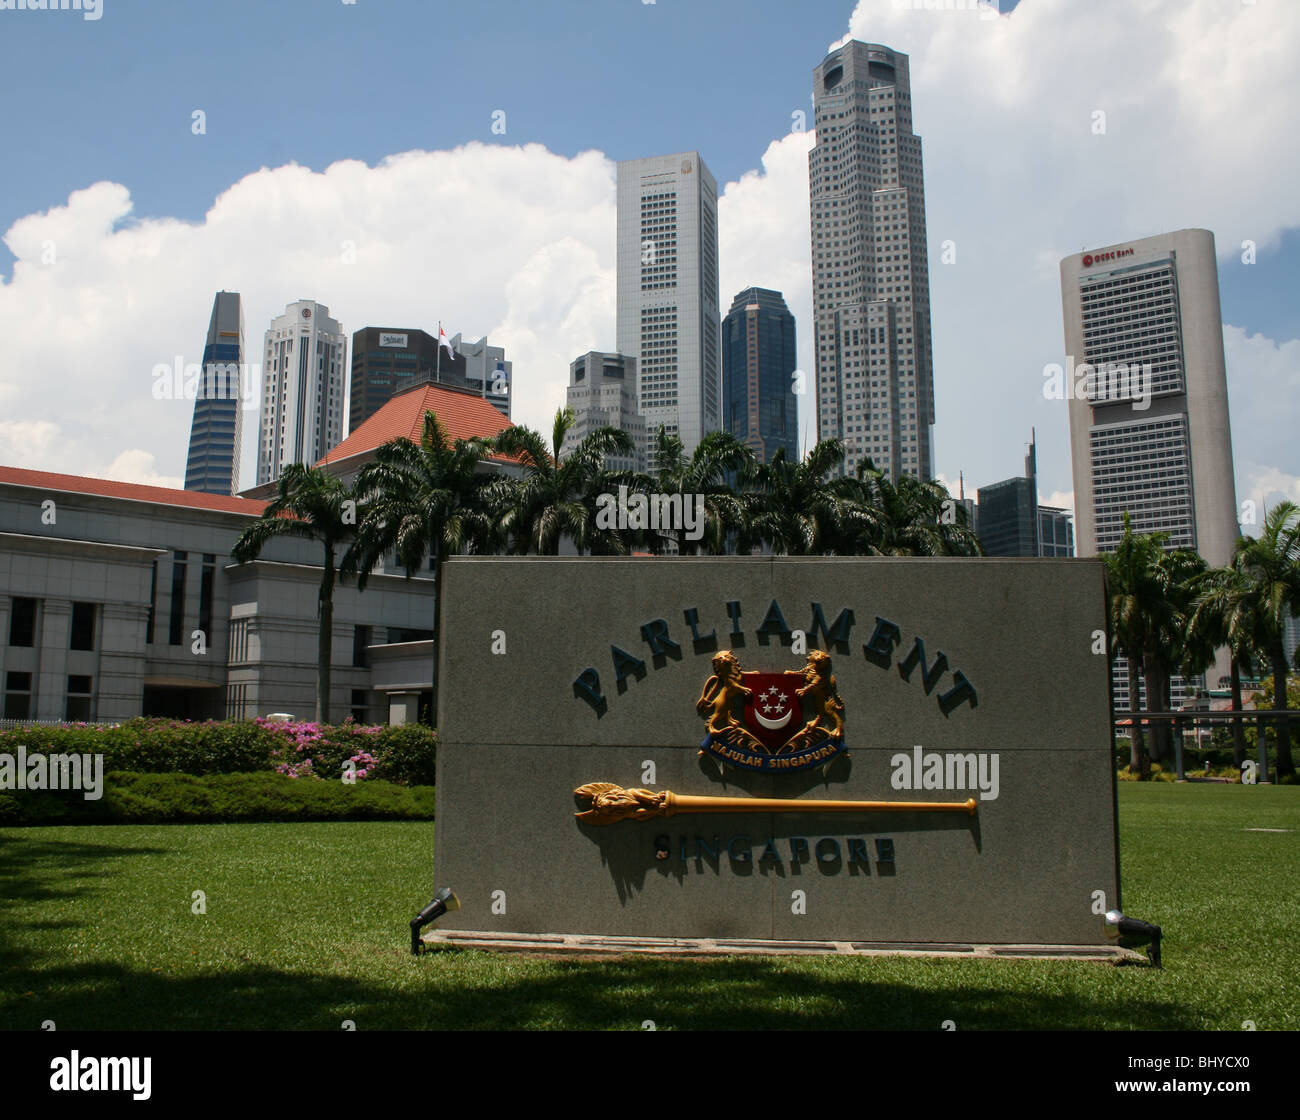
x=1168, y=646
x=1219, y=618
x=1256, y=596
x=718, y=457
x=1133, y=589
x=796, y=508
x=423, y=500
x=557, y=496
x=1152, y=592
x=313, y=504
x=911, y=518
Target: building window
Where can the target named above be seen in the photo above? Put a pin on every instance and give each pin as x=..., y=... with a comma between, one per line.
x=360, y=640
x=153, y=604
x=79, y=699
x=404, y=634
x=18, y=695
x=360, y=713
x=22, y=622
x=176, y=623
x=83, y=626
x=206, y=579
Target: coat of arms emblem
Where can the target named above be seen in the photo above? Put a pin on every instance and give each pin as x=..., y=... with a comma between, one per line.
x=772, y=721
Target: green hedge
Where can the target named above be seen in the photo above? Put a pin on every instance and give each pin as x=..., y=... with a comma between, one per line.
x=187, y=799
x=406, y=755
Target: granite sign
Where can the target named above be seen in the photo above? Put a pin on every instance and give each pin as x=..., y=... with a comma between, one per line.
x=868, y=750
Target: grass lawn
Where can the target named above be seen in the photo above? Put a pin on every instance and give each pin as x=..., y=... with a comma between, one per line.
x=306, y=926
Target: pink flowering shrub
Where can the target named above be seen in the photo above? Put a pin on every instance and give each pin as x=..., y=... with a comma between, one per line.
x=405, y=755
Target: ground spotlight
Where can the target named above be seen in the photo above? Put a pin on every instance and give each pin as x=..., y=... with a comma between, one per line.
x=442, y=902
x=1132, y=933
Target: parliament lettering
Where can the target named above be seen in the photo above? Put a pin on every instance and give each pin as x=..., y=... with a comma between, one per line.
x=880, y=650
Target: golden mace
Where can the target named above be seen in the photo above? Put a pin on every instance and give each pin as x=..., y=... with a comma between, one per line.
x=607, y=803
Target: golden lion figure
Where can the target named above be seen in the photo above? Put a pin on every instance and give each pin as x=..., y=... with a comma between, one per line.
x=822, y=699
x=606, y=803
x=723, y=698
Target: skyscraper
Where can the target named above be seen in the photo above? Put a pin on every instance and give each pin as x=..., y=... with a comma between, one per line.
x=602, y=393
x=302, y=389
x=668, y=291
x=1012, y=523
x=871, y=286
x=217, y=429
x=1148, y=391
x=758, y=365
x=382, y=359
x=1148, y=397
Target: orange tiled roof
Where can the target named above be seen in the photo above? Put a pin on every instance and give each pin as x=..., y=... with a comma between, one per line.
x=131, y=491
x=463, y=415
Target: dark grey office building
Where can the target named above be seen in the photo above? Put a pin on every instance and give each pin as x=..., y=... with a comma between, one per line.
x=212, y=465
x=1009, y=518
x=758, y=363
x=1012, y=523
x=383, y=357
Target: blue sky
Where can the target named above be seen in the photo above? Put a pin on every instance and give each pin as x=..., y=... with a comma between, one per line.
x=313, y=82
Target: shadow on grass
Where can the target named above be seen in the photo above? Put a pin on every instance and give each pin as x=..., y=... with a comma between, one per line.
x=467, y=990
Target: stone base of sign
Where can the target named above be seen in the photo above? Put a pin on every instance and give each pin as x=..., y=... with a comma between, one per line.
x=548, y=944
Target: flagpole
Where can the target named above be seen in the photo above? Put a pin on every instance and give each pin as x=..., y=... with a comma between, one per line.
x=437, y=369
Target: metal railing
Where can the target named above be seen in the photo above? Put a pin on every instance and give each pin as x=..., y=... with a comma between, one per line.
x=1185, y=721
x=14, y=724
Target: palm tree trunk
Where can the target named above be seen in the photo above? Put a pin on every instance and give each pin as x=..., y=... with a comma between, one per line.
x=1238, y=729
x=325, y=638
x=1159, y=742
x=1277, y=655
x=1137, y=762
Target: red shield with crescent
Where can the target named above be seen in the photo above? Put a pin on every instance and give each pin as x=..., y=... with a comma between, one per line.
x=773, y=711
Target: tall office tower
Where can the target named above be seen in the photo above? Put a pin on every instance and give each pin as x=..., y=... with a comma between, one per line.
x=382, y=359
x=602, y=393
x=217, y=429
x=302, y=389
x=758, y=364
x=871, y=286
x=668, y=292
x=1149, y=431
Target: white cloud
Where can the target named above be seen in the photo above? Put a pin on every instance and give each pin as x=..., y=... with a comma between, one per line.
x=138, y=466
x=23, y=442
x=1061, y=499
x=516, y=243
x=1201, y=99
